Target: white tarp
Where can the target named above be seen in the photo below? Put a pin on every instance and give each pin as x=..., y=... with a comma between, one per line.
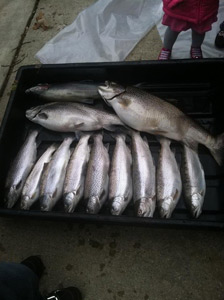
x=109, y=29
x=106, y=31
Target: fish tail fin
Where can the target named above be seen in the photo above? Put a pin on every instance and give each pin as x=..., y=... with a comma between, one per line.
x=118, y=135
x=98, y=135
x=217, y=150
x=163, y=140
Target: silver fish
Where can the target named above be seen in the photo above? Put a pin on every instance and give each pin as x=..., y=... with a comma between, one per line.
x=145, y=112
x=20, y=169
x=193, y=178
x=169, y=184
x=97, y=178
x=144, y=177
x=72, y=117
x=120, y=184
x=31, y=189
x=75, y=174
x=65, y=92
x=53, y=178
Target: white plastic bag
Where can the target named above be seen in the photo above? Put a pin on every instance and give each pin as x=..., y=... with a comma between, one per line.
x=106, y=31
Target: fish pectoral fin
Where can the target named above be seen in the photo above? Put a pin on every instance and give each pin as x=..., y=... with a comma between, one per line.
x=19, y=185
x=175, y=195
x=159, y=132
x=191, y=144
x=77, y=126
x=145, y=141
x=202, y=193
x=154, y=198
x=55, y=193
x=103, y=194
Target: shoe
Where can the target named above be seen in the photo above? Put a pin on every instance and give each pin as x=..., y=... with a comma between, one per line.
x=69, y=293
x=219, y=40
x=196, y=53
x=164, y=54
x=35, y=264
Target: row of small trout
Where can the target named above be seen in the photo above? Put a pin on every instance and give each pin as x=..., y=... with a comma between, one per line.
x=86, y=174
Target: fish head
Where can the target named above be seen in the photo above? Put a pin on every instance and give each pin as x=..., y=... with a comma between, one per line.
x=93, y=205
x=25, y=202
x=110, y=91
x=46, y=202
x=197, y=200
x=145, y=207
x=12, y=195
x=37, y=114
x=117, y=206
x=69, y=202
x=38, y=89
x=166, y=208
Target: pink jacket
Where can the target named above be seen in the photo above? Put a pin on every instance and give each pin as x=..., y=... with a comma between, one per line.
x=194, y=11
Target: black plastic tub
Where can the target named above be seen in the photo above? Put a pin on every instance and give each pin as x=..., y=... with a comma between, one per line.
x=194, y=86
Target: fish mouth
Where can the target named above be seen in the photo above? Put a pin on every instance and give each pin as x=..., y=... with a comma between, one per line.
x=196, y=204
x=68, y=202
x=196, y=212
x=33, y=112
x=11, y=197
x=145, y=207
x=110, y=90
x=93, y=206
x=24, y=202
x=116, y=207
x=39, y=89
x=165, y=213
x=45, y=202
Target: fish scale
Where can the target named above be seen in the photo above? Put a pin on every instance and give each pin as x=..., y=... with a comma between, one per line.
x=75, y=175
x=169, y=185
x=20, y=169
x=53, y=178
x=97, y=178
x=120, y=190
x=72, y=117
x=193, y=178
x=145, y=112
x=144, y=177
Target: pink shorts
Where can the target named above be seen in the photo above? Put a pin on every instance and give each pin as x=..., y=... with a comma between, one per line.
x=179, y=25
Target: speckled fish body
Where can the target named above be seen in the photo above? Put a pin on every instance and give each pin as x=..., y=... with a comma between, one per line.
x=75, y=175
x=53, y=177
x=97, y=177
x=143, y=111
x=66, y=92
x=20, y=169
x=193, y=178
x=169, y=185
x=31, y=189
x=120, y=186
x=144, y=177
x=72, y=117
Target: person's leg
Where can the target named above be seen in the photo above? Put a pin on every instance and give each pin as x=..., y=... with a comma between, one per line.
x=197, y=40
x=219, y=40
x=169, y=40
x=18, y=282
x=21, y=282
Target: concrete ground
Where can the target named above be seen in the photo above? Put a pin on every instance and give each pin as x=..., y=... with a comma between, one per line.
x=105, y=262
